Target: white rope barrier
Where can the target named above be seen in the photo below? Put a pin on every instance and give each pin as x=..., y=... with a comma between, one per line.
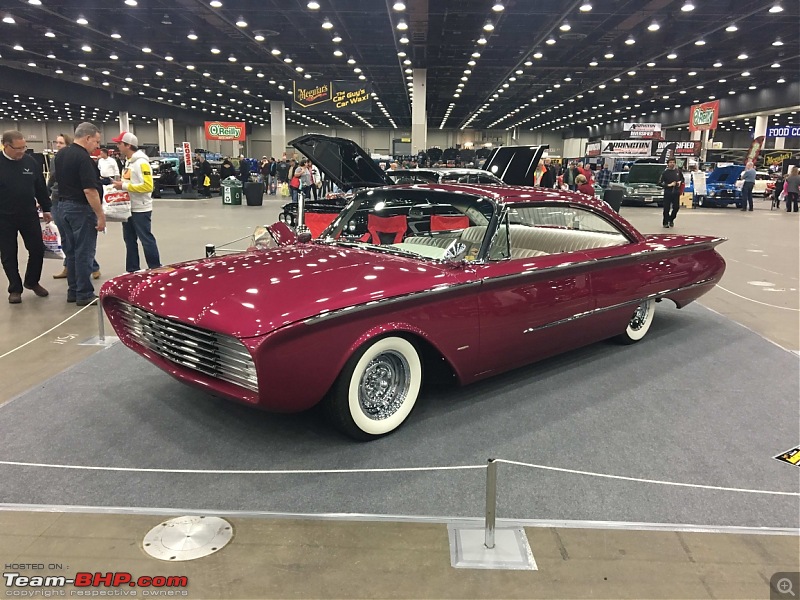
x=48, y=331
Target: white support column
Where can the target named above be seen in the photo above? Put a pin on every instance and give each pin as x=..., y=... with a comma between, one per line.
x=124, y=122
x=277, y=126
x=761, y=126
x=162, y=139
x=695, y=135
x=704, y=145
x=780, y=143
x=169, y=135
x=419, y=113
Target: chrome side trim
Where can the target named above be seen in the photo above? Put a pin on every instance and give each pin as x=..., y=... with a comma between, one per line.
x=636, y=302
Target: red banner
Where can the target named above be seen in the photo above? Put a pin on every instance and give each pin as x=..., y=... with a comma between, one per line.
x=704, y=116
x=225, y=130
x=755, y=150
x=188, y=160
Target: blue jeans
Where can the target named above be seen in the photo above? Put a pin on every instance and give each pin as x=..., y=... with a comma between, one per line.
x=79, y=242
x=138, y=227
x=747, y=195
x=60, y=224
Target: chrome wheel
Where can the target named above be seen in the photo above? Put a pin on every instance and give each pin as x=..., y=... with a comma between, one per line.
x=640, y=322
x=384, y=385
x=640, y=316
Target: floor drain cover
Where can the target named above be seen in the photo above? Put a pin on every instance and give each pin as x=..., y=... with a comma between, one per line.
x=187, y=538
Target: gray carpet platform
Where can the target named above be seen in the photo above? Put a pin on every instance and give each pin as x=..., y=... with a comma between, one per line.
x=701, y=400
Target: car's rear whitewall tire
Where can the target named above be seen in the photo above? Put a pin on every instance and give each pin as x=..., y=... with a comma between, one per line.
x=377, y=389
x=640, y=322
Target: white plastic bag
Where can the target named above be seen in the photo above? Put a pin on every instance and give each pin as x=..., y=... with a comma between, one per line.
x=52, y=241
x=117, y=205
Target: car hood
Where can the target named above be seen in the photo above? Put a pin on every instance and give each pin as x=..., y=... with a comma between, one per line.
x=725, y=175
x=645, y=173
x=515, y=165
x=253, y=293
x=343, y=161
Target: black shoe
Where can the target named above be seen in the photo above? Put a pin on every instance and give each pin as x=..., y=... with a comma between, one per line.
x=71, y=300
x=38, y=290
x=672, y=223
x=666, y=225
x=750, y=209
x=15, y=298
x=86, y=301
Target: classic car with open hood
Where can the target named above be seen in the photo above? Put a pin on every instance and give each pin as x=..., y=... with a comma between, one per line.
x=640, y=187
x=346, y=164
x=721, y=188
x=456, y=281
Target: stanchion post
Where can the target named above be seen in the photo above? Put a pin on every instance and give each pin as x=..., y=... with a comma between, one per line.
x=101, y=325
x=211, y=250
x=491, y=502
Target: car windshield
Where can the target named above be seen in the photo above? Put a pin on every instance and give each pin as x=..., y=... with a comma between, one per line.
x=424, y=223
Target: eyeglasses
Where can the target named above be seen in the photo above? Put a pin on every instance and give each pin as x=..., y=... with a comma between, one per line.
x=23, y=147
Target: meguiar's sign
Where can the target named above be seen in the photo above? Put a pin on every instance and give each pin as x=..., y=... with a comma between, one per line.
x=333, y=96
x=225, y=130
x=704, y=116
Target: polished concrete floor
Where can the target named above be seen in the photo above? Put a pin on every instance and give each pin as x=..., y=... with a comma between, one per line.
x=271, y=558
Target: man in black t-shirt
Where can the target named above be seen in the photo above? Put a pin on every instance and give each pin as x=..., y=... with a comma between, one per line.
x=80, y=210
x=672, y=182
x=21, y=185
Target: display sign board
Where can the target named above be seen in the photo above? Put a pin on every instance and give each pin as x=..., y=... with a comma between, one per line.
x=755, y=149
x=626, y=148
x=785, y=131
x=188, y=159
x=593, y=148
x=333, y=96
x=689, y=148
x=704, y=116
x=776, y=157
x=226, y=130
x=642, y=130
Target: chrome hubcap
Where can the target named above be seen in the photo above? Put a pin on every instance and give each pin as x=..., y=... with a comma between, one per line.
x=640, y=316
x=384, y=385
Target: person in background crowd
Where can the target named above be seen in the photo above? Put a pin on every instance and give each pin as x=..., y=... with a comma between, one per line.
x=549, y=174
x=776, y=193
x=586, y=171
x=21, y=186
x=792, y=190
x=263, y=172
x=583, y=186
x=81, y=210
x=137, y=180
x=203, y=170
x=227, y=169
x=291, y=174
x=109, y=169
x=304, y=173
x=749, y=177
x=273, y=176
x=282, y=170
x=62, y=140
x=570, y=174
x=244, y=170
x=603, y=177
x=671, y=180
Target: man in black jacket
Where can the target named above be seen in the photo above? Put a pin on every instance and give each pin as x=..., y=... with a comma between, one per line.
x=21, y=186
x=672, y=182
x=203, y=170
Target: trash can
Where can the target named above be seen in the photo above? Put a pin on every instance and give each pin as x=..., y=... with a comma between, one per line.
x=231, y=191
x=254, y=193
x=613, y=197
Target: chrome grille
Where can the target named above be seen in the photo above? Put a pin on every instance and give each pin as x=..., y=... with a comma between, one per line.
x=219, y=356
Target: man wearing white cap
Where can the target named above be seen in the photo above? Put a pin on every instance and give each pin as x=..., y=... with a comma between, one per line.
x=137, y=180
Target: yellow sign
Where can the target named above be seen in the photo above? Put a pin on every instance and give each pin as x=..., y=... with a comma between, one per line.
x=791, y=456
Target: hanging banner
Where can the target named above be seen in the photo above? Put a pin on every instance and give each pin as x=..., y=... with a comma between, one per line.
x=593, y=148
x=755, y=149
x=333, y=96
x=188, y=159
x=690, y=148
x=642, y=130
x=704, y=116
x=225, y=130
x=626, y=148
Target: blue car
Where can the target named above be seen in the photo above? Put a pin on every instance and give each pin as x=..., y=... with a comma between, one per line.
x=721, y=187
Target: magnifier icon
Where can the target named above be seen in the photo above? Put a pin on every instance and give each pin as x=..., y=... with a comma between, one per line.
x=784, y=586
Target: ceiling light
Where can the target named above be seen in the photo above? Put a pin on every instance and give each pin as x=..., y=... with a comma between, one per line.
x=405, y=40
x=191, y=35
x=168, y=58
x=777, y=42
x=398, y=6
x=35, y=2
x=585, y=7
x=781, y=80
x=654, y=26
x=18, y=48
x=593, y=62
x=687, y=6
x=565, y=26
x=336, y=38
x=9, y=19
x=732, y=27
x=550, y=41
x=746, y=74
x=259, y=37
x=630, y=41
x=275, y=52
x=86, y=48
x=692, y=73
x=215, y=4
x=402, y=26
x=81, y=20
x=776, y=65
x=742, y=56
x=326, y=24
x=146, y=50
x=240, y=22
x=113, y=57
x=700, y=43
x=351, y=61
x=114, y=35
x=313, y=5
x=609, y=54
x=231, y=58
x=131, y=2
x=49, y=34
x=776, y=8
x=215, y=51
x=717, y=64
x=489, y=26
x=498, y=7
x=672, y=55
x=338, y=52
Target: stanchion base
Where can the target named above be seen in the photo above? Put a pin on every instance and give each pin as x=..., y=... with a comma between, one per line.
x=511, y=549
x=109, y=340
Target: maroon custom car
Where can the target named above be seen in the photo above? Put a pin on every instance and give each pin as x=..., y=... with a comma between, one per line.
x=472, y=279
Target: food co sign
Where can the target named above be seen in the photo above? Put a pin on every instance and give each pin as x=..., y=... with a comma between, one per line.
x=787, y=131
x=229, y=131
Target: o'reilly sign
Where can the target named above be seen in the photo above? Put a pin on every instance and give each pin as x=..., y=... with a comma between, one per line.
x=225, y=130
